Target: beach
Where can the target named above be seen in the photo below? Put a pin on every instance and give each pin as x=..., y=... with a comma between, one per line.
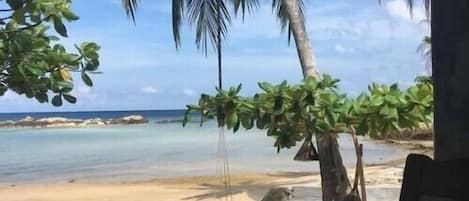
x=157, y=161
x=383, y=183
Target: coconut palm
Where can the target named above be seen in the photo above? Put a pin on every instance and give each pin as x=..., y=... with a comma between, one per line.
x=425, y=48
x=211, y=18
x=203, y=15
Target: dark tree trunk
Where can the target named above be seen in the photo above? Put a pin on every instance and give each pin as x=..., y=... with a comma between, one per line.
x=334, y=179
x=450, y=46
x=335, y=183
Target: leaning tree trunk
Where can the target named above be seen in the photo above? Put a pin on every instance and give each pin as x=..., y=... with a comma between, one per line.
x=303, y=45
x=450, y=47
x=334, y=179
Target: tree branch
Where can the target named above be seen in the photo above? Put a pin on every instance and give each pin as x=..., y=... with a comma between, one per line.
x=24, y=28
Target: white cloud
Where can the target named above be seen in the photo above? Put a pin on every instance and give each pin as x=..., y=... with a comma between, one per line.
x=340, y=49
x=188, y=92
x=400, y=9
x=149, y=90
x=116, y=2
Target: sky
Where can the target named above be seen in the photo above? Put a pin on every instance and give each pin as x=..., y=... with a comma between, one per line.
x=357, y=41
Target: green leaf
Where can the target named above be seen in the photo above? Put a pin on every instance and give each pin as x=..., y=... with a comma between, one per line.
x=232, y=120
x=15, y=4
x=391, y=99
x=69, y=15
x=18, y=16
x=59, y=26
x=267, y=87
x=246, y=122
x=86, y=79
x=92, y=65
x=41, y=97
x=376, y=100
x=70, y=98
x=3, y=89
x=57, y=101
x=236, y=126
x=65, y=84
x=389, y=112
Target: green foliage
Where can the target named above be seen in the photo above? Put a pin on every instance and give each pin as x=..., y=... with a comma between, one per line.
x=32, y=62
x=293, y=113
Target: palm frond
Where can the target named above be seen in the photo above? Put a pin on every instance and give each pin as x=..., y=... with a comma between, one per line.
x=426, y=3
x=279, y=9
x=425, y=48
x=177, y=14
x=130, y=7
x=204, y=16
x=427, y=7
x=246, y=6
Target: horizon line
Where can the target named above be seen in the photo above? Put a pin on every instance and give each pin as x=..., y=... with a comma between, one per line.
x=83, y=111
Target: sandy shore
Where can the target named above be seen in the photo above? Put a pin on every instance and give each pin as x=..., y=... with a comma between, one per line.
x=383, y=183
x=381, y=179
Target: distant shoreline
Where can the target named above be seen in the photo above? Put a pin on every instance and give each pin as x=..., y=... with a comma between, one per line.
x=62, y=122
x=92, y=111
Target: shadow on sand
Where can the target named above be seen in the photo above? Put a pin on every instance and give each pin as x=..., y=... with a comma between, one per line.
x=255, y=191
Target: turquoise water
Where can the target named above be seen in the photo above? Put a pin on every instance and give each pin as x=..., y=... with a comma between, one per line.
x=139, y=152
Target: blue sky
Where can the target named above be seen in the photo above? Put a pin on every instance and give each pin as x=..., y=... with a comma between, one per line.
x=357, y=41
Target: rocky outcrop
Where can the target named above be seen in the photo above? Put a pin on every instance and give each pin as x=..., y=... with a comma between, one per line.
x=27, y=121
x=60, y=122
x=169, y=121
x=4, y=124
x=133, y=119
x=94, y=122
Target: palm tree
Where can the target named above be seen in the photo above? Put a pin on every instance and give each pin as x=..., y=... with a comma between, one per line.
x=425, y=48
x=211, y=18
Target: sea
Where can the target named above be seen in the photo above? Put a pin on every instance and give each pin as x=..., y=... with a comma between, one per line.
x=126, y=153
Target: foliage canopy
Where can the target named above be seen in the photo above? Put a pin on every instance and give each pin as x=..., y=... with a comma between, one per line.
x=293, y=113
x=32, y=61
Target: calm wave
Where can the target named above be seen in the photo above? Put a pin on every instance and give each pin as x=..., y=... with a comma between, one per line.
x=128, y=153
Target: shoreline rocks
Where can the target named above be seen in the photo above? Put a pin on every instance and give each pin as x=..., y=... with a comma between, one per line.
x=61, y=122
x=169, y=121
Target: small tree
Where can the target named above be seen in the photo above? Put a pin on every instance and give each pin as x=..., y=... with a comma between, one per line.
x=294, y=113
x=32, y=61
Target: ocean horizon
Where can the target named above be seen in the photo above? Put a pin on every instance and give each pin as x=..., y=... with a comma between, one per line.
x=147, y=151
x=105, y=114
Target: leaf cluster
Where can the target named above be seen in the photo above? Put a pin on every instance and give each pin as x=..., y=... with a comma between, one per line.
x=293, y=113
x=32, y=61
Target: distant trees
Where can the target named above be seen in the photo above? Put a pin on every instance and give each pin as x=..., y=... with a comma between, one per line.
x=32, y=61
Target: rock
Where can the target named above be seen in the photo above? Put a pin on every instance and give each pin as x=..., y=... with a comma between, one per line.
x=9, y=123
x=57, y=122
x=132, y=119
x=61, y=122
x=27, y=121
x=168, y=121
x=94, y=122
x=62, y=125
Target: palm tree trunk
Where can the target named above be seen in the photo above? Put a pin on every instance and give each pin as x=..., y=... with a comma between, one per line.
x=303, y=45
x=335, y=183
